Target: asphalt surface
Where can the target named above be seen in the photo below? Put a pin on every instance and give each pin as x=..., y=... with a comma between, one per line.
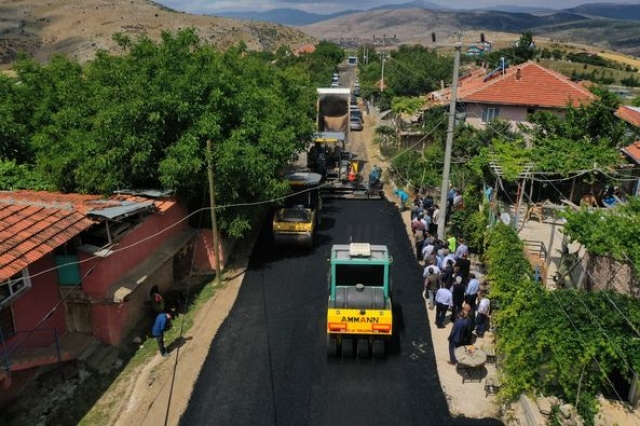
x=268, y=365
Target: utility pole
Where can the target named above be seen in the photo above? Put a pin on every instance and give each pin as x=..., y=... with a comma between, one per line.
x=382, y=72
x=214, y=222
x=442, y=219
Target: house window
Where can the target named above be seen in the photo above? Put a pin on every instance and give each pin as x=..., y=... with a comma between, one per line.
x=12, y=288
x=7, y=326
x=490, y=114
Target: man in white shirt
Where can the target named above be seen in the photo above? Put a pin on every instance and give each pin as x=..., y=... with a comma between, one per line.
x=427, y=250
x=482, y=316
x=462, y=250
x=425, y=272
x=444, y=300
x=471, y=292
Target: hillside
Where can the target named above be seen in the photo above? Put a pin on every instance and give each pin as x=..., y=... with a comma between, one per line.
x=625, y=12
x=79, y=28
x=416, y=26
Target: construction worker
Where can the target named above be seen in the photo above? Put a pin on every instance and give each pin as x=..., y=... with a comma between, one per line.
x=403, y=198
x=353, y=172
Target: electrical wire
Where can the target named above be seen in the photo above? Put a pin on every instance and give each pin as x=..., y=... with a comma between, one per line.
x=181, y=329
x=555, y=297
x=595, y=280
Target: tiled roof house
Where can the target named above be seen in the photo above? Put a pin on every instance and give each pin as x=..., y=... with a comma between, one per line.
x=81, y=265
x=631, y=115
x=512, y=94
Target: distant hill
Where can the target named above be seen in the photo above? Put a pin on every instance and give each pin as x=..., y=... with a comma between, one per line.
x=389, y=27
x=519, y=9
x=79, y=29
x=296, y=17
x=625, y=12
x=293, y=17
x=417, y=4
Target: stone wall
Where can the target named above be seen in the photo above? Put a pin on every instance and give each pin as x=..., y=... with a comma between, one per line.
x=604, y=273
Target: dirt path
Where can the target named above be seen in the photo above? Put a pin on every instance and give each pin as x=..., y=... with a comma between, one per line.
x=464, y=399
x=149, y=392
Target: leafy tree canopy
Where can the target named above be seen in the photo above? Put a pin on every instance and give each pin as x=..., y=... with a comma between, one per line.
x=614, y=232
x=142, y=120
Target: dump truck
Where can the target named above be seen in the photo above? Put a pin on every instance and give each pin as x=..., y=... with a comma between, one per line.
x=295, y=221
x=360, y=311
x=333, y=110
x=329, y=154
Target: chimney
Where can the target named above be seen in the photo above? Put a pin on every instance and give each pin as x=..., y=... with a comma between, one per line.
x=441, y=84
x=518, y=74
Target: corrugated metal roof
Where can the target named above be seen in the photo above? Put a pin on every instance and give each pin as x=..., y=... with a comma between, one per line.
x=149, y=193
x=126, y=208
x=34, y=223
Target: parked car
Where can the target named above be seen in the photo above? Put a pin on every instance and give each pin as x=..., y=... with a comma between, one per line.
x=355, y=123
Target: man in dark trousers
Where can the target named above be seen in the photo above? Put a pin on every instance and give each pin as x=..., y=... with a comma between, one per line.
x=456, y=337
x=160, y=325
x=457, y=295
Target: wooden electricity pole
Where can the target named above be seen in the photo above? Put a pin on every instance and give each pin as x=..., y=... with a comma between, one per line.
x=212, y=202
x=447, y=155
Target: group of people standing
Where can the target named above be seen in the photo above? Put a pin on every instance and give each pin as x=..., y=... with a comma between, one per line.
x=449, y=286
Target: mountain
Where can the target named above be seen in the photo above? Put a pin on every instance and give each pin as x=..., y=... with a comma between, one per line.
x=417, y=4
x=393, y=27
x=625, y=12
x=518, y=9
x=296, y=17
x=79, y=28
x=293, y=17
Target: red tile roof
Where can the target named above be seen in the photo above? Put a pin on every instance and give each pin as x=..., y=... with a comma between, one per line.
x=527, y=84
x=629, y=114
x=307, y=48
x=33, y=224
x=633, y=151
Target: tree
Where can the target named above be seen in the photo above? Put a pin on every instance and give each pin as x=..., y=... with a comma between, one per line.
x=142, y=120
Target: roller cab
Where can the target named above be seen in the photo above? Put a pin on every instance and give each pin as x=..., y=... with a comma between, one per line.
x=294, y=222
x=360, y=311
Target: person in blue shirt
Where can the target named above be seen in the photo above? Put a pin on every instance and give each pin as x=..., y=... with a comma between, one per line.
x=471, y=293
x=403, y=196
x=160, y=325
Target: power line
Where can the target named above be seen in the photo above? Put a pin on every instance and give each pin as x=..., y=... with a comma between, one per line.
x=594, y=278
x=555, y=297
x=181, y=330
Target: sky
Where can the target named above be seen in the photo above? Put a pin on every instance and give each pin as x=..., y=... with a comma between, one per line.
x=331, y=6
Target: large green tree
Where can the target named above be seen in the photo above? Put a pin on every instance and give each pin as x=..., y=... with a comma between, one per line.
x=142, y=119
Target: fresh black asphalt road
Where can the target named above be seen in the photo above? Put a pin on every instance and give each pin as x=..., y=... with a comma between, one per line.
x=268, y=365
